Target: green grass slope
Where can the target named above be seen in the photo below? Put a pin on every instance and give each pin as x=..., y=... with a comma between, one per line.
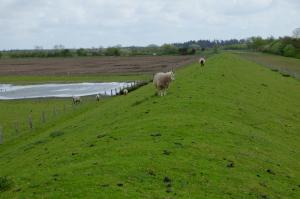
x=228, y=130
x=15, y=114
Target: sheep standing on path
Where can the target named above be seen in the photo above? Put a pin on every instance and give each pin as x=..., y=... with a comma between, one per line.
x=76, y=99
x=202, y=61
x=161, y=82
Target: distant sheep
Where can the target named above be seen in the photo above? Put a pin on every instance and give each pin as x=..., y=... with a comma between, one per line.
x=76, y=99
x=125, y=91
x=202, y=61
x=98, y=97
x=161, y=82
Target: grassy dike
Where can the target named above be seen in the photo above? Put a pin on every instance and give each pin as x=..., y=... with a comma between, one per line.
x=228, y=130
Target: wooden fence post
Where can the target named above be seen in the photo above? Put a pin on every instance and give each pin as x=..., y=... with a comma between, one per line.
x=54, y=111
x=30, y=123
x=1, y=136
x=111, y=92
x=16, y=127
x=43, y=117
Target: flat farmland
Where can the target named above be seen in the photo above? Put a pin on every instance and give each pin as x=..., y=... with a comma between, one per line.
x=92, y=65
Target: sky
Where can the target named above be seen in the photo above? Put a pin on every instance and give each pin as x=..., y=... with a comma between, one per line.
x=25, y=24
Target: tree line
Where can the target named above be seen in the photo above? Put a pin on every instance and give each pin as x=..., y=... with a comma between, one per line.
x=166, y=49
x=186, y=48
x=286, y=46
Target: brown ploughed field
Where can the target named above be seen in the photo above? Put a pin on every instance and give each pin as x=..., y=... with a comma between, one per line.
x=92, y=65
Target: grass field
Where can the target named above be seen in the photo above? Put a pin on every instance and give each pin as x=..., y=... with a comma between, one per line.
x=285, y=65
x=228, y=130
x=15, y=114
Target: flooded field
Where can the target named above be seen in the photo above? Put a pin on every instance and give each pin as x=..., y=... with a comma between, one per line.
x=9, y=91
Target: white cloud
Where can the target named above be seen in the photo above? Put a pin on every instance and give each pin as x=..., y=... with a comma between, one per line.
x=86, y=23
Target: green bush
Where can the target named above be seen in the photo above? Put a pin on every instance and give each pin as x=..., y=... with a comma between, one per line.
x=289, y=51
x=169, y=49
x=112, y=52
x=66, y=53
x=277, y=48
x=5, y=183
x=81, y=52
x=256, y=43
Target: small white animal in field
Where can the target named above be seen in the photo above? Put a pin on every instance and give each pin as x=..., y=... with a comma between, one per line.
x=125, y=91
x=98, y=97
x=76, y=99
x=162, y=80
x=202, y=61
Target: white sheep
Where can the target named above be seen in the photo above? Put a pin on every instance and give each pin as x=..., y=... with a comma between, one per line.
x=125, y=91
x=162, y=80
x=76, y=99
x=202, y=61
x=98, y=97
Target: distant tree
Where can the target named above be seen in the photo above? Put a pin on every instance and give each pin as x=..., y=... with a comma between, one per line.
x=81, y=52
x=66, y=53
x=256, y=43
x=183, y=51
x=296, y=33
x=101, y=51
x=277, y=47
x=112, y=51
x=169, y=49
x=289, y=50
x=134, y=51
x=125, y=52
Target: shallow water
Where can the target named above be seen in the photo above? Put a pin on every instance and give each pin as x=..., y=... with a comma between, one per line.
x=9, y=91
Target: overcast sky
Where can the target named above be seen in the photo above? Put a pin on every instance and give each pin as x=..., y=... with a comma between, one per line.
x=94, y=23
